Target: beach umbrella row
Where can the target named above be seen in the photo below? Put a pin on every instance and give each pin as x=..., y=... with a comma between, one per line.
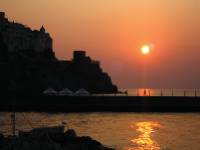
x=66, y=92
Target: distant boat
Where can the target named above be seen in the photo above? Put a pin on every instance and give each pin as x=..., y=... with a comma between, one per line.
x=50, y=92
x=82, y=92
x=66, y=92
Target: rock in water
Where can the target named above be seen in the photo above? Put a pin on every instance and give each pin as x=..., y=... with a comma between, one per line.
x=52, y=138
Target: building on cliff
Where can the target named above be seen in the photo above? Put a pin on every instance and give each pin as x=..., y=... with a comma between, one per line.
x=29, y=65
x=21, y=39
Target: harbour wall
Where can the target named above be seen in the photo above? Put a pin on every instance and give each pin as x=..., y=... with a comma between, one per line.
x=100, y=104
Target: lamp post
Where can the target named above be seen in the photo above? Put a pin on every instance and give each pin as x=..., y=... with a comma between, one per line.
x=195, y=92
x=13, y=123
x=184, y=93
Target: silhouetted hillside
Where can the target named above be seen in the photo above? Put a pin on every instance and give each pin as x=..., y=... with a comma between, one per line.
x=28, y=64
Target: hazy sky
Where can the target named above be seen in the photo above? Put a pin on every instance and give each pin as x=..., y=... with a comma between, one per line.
x=113, y=31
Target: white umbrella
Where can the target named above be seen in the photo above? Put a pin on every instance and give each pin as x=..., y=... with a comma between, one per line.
x=50, y=91
x=82, y=92
x=66, y=92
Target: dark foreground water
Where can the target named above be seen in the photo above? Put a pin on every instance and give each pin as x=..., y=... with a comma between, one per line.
x=123, y=131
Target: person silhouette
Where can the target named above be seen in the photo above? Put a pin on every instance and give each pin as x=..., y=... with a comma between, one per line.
x=145, y=92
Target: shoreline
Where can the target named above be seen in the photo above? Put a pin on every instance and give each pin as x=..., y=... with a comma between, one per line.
x=100, y=104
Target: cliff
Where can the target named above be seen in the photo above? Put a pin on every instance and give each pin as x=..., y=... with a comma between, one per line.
x=28, y=64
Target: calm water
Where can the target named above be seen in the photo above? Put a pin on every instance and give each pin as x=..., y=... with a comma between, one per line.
x=123, y=131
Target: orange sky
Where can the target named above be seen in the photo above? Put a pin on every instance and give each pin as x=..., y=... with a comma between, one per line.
x=113, y=31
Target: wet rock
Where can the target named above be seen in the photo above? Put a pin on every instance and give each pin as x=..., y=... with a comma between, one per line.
x=44, y=141
x=70, y=133
x=106, y=148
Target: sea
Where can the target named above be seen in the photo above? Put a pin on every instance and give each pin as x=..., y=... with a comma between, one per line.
x=122, y=131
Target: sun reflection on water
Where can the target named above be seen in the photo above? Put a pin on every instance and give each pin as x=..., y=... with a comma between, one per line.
x=145, y=141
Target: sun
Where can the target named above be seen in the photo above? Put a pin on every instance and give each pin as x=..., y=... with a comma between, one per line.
x=145, y=49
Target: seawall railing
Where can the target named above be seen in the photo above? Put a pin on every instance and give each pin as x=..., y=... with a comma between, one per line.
x=156, y=92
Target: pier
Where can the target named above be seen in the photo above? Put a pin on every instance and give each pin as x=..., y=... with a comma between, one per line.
x=101, y=104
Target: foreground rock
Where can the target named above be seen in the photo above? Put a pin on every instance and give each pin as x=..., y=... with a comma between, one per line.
x=50, y=139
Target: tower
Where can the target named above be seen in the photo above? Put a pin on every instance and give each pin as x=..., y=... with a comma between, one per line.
x=42, y=29
x=79, y=56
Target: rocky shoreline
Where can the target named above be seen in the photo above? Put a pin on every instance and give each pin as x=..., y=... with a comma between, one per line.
x=50, y=139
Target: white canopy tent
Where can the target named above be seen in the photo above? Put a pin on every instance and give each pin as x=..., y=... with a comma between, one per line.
x=50, y=92
x=82, y=92
x=66, y=92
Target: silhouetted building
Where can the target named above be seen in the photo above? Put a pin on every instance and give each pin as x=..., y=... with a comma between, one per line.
x=34, y=68
x=19, y=38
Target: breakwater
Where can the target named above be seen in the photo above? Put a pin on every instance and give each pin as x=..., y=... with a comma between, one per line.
x=100, y=104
